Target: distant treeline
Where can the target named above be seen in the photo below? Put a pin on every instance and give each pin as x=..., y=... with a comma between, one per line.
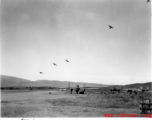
x=27, y=88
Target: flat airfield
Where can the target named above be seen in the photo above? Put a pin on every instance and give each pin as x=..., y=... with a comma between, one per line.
x=39, y=103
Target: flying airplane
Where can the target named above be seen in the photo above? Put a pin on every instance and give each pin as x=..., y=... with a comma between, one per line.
x=54, y=64
x=67, y=60
x=110, y=27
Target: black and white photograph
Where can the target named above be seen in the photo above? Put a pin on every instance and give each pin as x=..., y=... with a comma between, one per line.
x=76, y=59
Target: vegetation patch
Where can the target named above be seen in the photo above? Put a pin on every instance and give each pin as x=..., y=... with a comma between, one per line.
x=4, y=101
x=121, y=100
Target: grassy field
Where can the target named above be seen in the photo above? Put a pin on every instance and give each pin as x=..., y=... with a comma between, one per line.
x=64, y=104
x=118, y=100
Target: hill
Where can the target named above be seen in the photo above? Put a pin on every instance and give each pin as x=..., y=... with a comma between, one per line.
x=9, y=81
x=135, y=86
x=138, y=85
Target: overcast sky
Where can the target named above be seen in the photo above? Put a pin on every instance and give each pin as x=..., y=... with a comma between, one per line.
x=37, y=33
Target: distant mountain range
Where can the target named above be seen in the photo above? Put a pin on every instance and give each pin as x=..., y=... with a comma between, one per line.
x=138, y=85
x=134, y=86
x=9, y=81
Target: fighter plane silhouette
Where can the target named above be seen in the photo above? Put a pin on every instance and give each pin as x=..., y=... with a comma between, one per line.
x=67, y=60
x=110, y=27
x=54, y=64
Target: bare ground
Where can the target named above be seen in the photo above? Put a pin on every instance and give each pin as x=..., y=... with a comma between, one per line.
x=57, y=104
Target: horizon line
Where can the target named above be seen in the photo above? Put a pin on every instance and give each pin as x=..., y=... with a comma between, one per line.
x=74, y=81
